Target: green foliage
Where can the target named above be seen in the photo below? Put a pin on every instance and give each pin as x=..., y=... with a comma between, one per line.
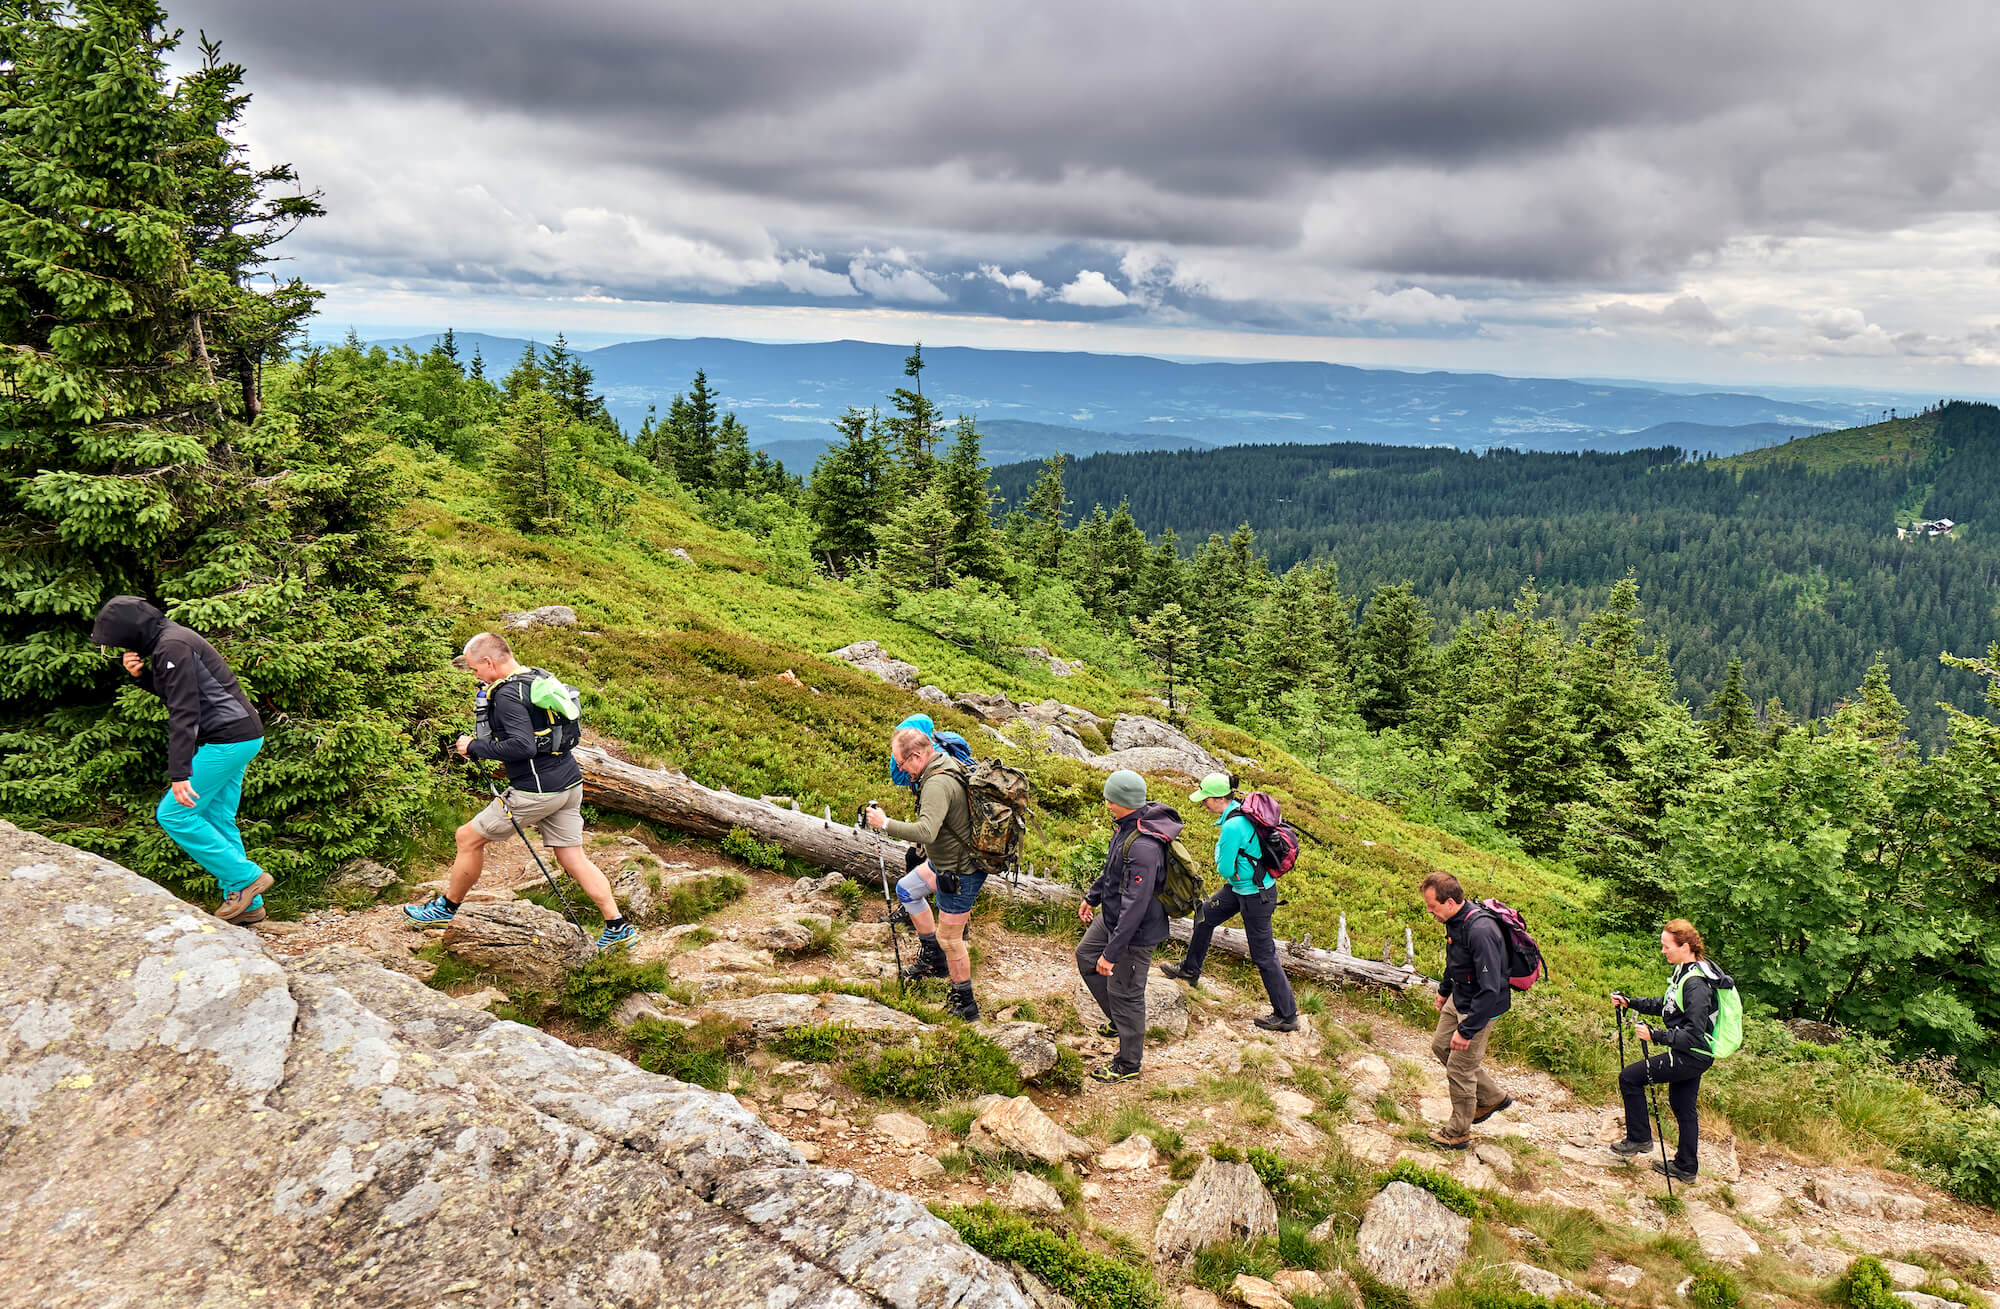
x=1866, y=1285
x=951, y=1063
x=1450, y=1192
x=143, y=457
x=820, y=1043
x=1217, y=1267
x=1310, y=1192
x=1060, y=1261
x=1067, y=1074
x=591, y=992
x=744, y=845
x=698, y=1054
x=1714, y=1288
x=970, y=614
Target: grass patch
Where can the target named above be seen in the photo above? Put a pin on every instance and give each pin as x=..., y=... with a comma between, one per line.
x=1217, y=1267
x=453, y=971
x=1713, y=1288
x=956, y=1119
x=1450, y=1192
x=1571, y=1236
x=698, y=1054
x=696, y=898
x=590, y=993
x=1041, y=918
x=1310, y=1192
x=741, y=844
x=1067, y=1075
x=951, y=1063
x=819, y=1043
x=1060, y=1261
x=1134, y=1121
x=850, y=894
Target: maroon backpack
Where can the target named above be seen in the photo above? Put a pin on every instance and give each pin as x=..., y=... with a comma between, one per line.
x=1525, y=965
x=1277, y=843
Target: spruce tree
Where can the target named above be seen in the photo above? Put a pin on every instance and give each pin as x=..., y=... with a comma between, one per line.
x=916, y=428
x=848, y=498
x=537, y=482
x=1525, y=749
x=919, y=542
x=1732, y=721
x=962, y=478
x=1047, y=509
x=1395, y=664
x=1168, y=639
x=732, y=454
x=140, y=456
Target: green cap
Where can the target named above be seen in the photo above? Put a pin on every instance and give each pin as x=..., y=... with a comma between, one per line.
x=1213, y=787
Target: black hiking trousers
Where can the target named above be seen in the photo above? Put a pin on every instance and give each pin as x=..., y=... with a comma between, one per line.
x=1681, y=1075
x=1257, y=911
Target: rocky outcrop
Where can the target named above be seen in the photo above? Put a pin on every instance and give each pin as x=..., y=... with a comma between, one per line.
x=1153, y=759
x=1841, y=1197
x=869, y=657
x=1410, y=1240
x=1224, y=1202
x=1028, y=1046
x=546, y=616
x=780, y=1011
x=1017, y=1126
x=995, y=709
x=1050, y=660
x=189, y=1122
x=1137, y=732
x=519, y=940
x=360, y=881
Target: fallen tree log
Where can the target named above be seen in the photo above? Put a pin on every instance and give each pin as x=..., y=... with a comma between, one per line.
x=674, y=799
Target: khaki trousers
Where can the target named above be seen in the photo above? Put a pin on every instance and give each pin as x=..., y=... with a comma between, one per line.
x=1472, y=1087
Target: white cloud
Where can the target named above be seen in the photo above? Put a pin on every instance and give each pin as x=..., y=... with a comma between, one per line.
x=887, y=281
x=1413, y=306
x=1022, y=280
x=1092, y=289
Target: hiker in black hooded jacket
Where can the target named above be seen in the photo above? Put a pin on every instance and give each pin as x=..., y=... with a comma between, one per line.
x=1473, y=993
x=213, y=732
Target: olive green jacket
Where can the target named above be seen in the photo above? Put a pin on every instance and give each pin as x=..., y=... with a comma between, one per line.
x=944, y=822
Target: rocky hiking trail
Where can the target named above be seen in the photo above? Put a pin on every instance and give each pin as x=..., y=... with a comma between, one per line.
x=1357, y=1080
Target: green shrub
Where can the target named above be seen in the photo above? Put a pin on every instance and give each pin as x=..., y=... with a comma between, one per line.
x=698, y=897
x=1308, y=1192
x=1713, y=1288
x=1067, y=1075
x=1218, y=1266
x=850, y=894
x=591, y=992
x=1450, y=1192
x=1063, y=1263
x=744, y=846
x=1866, y=1285
x=698, y=1054
x=819, y=1043
x=951, y=1063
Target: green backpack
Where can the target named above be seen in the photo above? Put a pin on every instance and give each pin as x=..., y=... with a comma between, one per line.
x=1725, y=1037
x=1180, y=890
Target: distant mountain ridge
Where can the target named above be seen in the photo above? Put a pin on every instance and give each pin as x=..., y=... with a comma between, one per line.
x=788, y=394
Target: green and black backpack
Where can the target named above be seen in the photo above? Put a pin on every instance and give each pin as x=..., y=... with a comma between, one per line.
x=1180, y=890
x=554, y=707
x=1725, y=1035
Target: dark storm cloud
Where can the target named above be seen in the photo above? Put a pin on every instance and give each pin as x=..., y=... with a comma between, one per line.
x=1535, y=141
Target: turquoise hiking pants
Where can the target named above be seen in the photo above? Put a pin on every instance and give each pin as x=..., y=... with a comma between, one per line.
x=208, y=831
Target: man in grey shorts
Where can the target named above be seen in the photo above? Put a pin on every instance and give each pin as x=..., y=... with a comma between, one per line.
x=544, y=791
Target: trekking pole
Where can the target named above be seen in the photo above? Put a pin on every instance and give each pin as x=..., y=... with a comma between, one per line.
x=888, y=901
x=1618, y=1021
x=500, y=800
x=1659, y=1128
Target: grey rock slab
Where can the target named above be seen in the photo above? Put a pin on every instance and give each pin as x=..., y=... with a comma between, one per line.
x=1548, y=1285
x=1223, y=1202
x=1720, y=1237
x=780, y=1011
x=1028, y=1046
x=1137, y=732
x=1031, y=1195
x=174, y=1097
x=519, y=940
x=1409, y=1240
x=544, y=616
x=869, y=657
x=1018, y=1126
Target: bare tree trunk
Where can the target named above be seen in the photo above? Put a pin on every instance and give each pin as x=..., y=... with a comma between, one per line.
x=671, y=798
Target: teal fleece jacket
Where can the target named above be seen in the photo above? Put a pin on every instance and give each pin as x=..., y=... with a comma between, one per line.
x=1236, y=851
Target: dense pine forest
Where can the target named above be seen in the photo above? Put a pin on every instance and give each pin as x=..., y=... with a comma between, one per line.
x=1791, y=566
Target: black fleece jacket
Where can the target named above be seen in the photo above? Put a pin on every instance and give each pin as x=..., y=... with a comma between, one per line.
x=513, y=743
x=1129, y=887
x=205, y=705
x=1475, y=968
x=1688, y=1024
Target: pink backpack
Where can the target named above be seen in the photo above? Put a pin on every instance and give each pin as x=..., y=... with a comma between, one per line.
x=1277, y=842
x=1525, y=965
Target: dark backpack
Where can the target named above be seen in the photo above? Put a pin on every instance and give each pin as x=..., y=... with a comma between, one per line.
x=1277, y=843
x=1525, y=965
x=1179, y=891
x=997, y=800
x=554, y=707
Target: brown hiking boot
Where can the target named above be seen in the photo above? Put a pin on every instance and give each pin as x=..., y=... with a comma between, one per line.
x=251, y=919
x=1443, y=1140
x=1506, y=1102
x=237, y=903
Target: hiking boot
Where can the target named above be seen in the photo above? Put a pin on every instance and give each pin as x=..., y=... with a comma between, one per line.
x=1179, y=973
x=1272, y=1023
x=237, y=903
x=898, y=917
x=1443, y=1140
x=1108, y=1031
x=930, y=962
x=1626, y=1149
x=1112, y=1073
x=960, y=1004
x=251, y=919
x=1506, y=1102
x=1673, y=1171
x=434, y=912
x=613, y=937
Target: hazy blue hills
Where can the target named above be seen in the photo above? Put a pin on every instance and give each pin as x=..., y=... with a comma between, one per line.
x=1033, y=403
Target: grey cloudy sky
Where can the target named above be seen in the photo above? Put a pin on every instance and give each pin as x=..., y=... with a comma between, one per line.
x=1774, y=191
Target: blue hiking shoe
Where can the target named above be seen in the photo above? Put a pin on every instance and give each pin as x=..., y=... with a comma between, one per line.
x=617, y=936
x=435, y=911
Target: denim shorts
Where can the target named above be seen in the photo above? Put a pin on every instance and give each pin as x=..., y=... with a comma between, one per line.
x=960, y=901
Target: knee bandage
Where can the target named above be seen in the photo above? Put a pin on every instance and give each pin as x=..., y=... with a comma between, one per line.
x=914, y=889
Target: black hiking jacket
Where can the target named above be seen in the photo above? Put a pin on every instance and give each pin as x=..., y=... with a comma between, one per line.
x=1475, y=968
x=1690, y=1024
x=512, y=742
x=1128, y=889
x=205, y=704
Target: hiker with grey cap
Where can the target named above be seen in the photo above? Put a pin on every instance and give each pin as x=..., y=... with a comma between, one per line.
x=545, y=789
x=1117, y=950
x=1247, y=889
